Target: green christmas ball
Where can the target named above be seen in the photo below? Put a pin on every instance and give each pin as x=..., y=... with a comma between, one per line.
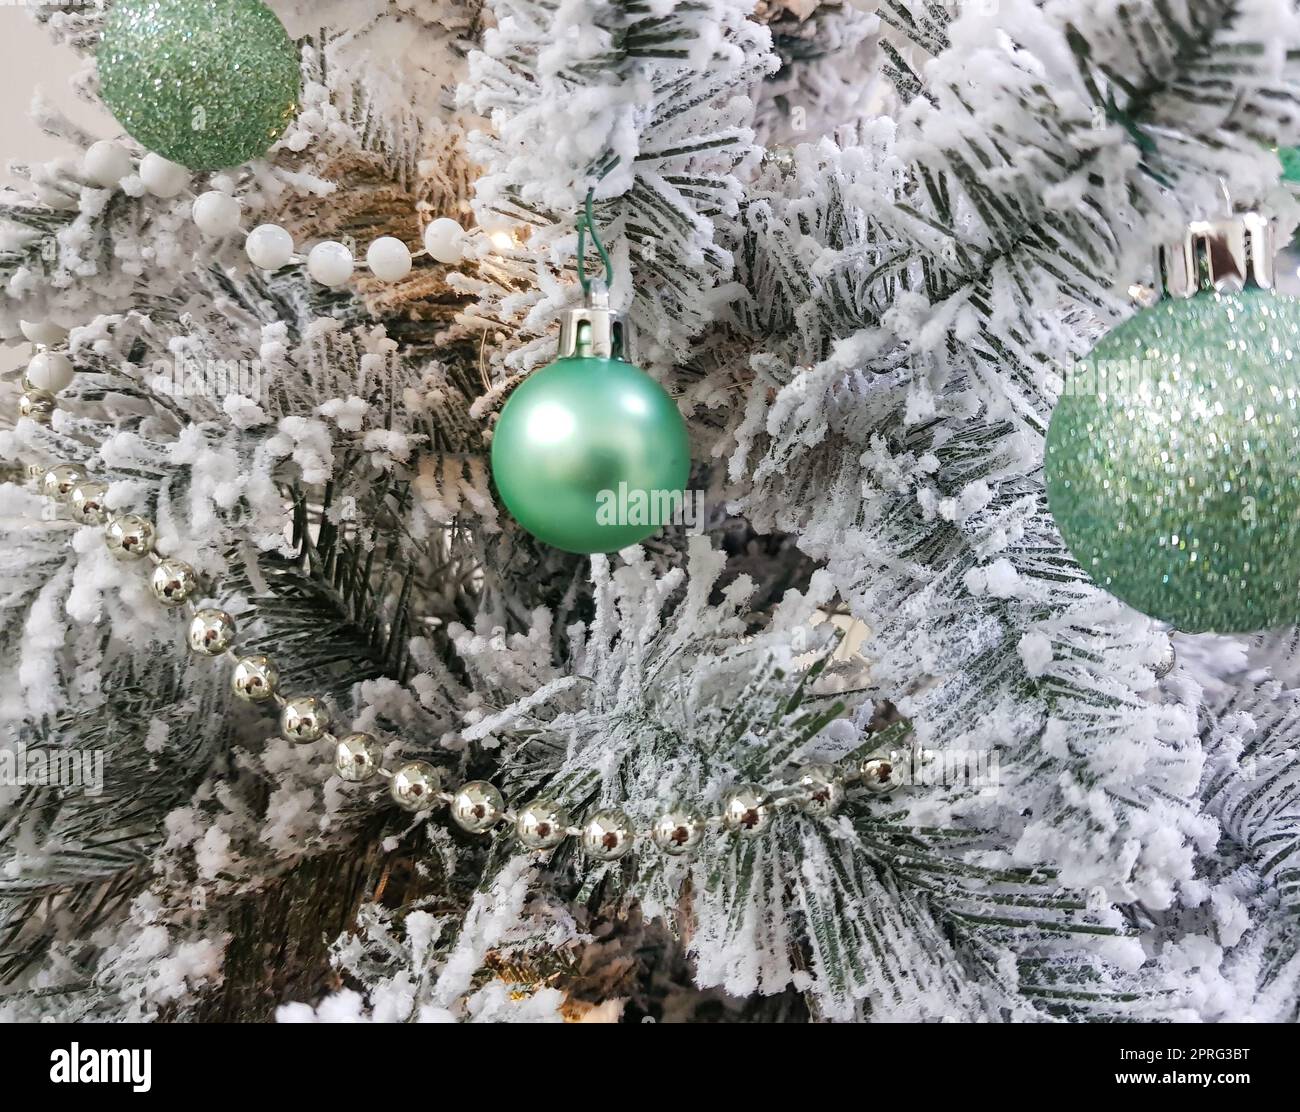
x=207, y=85
x=591, y=455
x=1173, y=462
x=1290, y=159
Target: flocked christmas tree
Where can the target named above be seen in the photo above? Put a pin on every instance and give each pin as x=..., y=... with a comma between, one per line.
x=299, y=722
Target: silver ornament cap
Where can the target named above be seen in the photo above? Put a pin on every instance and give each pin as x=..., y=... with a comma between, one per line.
x=1224, y=255
x=593, y=330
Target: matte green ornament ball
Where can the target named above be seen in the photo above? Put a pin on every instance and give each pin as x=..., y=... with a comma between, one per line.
x=207, y=85
x=1290, y=159
x=591, y=455
x=1173, y=462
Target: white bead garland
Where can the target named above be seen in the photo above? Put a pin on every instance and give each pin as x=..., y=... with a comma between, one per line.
x=445, y=240
x=217, y=214
x=331, y=264
x=106, y=163
x=269, y=247
x=163, y=178
x=389, y=259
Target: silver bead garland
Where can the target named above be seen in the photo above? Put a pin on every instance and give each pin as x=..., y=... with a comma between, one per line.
x=478, y=807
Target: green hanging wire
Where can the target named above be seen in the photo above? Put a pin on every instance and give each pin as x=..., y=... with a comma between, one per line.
x=587, y=226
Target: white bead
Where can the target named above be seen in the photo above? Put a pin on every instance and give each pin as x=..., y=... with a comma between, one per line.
x=161, y=177
x=217, y=214
x=106, y=163
x=389, y=259
x=51, y=371
x=269, y=247
x=444, y=239
x=330, y=263
x=43, y=332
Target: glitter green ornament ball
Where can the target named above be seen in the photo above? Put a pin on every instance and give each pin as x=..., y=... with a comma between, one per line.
x=207, y=85
x=1173, y=462
x=591, y=455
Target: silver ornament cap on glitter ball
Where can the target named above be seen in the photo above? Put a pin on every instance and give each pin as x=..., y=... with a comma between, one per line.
x=1171, y=466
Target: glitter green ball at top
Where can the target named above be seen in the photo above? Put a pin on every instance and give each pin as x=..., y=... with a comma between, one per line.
x=1173, y=462
x=206, y=85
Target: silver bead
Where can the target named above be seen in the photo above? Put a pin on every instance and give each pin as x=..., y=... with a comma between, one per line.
x=304, y=718
x=129, y=537
x=541, y=824
x=607, y=835
x=357, y=757
x=747, y=810
x=820, y=790
x=87, y=503
x=255, y=678
x=39, y=405
x=59, y=482
x=879, y=775
x=678, y=831
x=1167, y=663
x=477, y=807
x=173, y=582
x=211, y=632
x=415, y=786
x=36, y=472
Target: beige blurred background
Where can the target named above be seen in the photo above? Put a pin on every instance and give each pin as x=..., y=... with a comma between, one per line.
x=30, y=60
